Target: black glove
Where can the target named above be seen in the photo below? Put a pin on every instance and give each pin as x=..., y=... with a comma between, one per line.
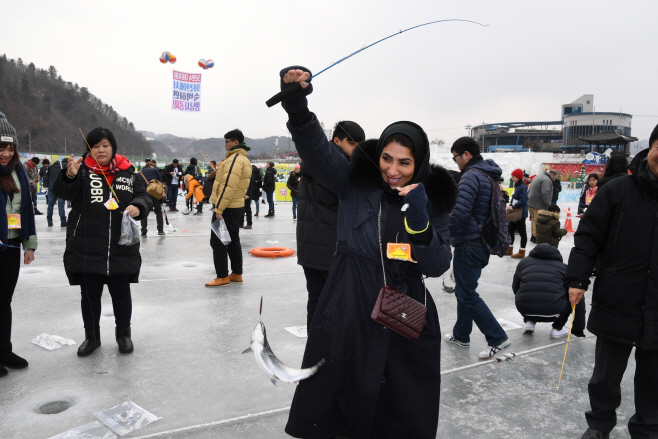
x=416, y=219
x=297, y=101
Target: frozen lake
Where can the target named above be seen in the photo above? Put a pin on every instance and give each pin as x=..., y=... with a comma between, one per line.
x=188, y=369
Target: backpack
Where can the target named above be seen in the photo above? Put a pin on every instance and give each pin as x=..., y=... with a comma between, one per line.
x=494, y=232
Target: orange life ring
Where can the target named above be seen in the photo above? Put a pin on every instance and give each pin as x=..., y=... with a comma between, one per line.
x=271, y=252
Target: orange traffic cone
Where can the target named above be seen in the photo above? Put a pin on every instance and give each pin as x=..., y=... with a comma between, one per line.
x=567, y=223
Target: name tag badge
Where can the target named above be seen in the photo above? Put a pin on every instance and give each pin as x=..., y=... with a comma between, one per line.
x=13, y=221
x=111, y=204
x=399, y=251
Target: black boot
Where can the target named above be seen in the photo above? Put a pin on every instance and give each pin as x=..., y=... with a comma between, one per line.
x=92, y=341
x=3, y=372
x=269, y=214
x=12, y=361
x=123, y=340
x=595, y=434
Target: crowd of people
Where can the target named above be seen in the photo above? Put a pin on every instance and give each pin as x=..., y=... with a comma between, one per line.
x=374, y=220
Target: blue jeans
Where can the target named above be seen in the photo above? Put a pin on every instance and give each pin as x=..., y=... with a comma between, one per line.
x=270, y=199
x=60, y=206
x=257, y=205
x=470, y=258
x=172, y=195
x=294, y=205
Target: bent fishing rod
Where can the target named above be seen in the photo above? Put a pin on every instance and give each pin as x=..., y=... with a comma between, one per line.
x=297, y=86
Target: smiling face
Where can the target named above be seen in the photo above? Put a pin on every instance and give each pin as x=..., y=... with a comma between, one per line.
x=592, y=182
x=103, y=152
x=7, y=152
x=397, y=165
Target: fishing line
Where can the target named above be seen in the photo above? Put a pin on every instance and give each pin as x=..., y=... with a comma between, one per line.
x=297, y=86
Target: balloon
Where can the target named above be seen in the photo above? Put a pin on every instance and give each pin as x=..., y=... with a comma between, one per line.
x=172, y=59
x=163, y=61
x=202, y=63
x=165, y=56
x=210, y=64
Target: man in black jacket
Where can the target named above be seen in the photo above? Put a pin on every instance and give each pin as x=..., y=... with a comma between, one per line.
x=173, y=174
x=620, y=227
x=318, y=217
x=49, y=179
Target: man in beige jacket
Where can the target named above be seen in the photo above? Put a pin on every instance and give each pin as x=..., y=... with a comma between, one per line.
x=228, y=192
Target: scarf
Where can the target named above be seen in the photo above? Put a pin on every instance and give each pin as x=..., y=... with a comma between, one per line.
x=118, y=163
x=28, y=227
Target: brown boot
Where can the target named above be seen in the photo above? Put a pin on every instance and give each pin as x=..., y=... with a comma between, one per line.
x=235, y=278
x=520, y=254
x=510, y=251
x=219, y=282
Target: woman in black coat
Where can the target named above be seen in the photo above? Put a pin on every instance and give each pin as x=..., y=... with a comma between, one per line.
x=254, y=194
x=375, y=383
x=269, y=185
x=93, y=256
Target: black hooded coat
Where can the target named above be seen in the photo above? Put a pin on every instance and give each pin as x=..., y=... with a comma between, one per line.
x=92, y=234
x=620, y=227
x=375, y=383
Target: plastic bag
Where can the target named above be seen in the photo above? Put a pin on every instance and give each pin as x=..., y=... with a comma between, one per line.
x=51, y=342
x=129, y=230
x=126, y=417
x=219, y=227
x=93, y=430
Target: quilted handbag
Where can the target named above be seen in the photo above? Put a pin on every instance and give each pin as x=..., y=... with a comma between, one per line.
x=394, y=309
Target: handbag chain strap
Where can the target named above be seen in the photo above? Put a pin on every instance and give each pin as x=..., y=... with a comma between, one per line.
x=381, y=252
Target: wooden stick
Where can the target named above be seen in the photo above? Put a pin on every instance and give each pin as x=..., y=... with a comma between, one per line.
x=573, y=315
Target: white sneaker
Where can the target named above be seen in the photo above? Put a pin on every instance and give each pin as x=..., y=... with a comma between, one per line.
x=450, y=339
x=562, y=333
x=491, y=351
x=529, y=328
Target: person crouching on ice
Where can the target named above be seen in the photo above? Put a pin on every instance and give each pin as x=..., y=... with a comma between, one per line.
x=541, y=294
x=93, y=257
x=375, y=382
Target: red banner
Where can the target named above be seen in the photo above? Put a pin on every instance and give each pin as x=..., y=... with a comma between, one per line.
x=571, y=171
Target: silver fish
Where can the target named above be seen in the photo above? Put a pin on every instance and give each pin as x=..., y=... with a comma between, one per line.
x=272, y=366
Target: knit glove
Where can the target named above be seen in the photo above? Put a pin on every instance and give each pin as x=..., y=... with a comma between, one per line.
x=416, y=219
x=297, y=101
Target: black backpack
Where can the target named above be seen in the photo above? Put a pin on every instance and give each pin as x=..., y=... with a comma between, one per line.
x=494, y=232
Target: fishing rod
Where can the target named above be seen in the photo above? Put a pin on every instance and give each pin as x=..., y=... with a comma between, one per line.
x=297, y=86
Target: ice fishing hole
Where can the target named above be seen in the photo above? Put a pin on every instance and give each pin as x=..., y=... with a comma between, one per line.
x=53, y=407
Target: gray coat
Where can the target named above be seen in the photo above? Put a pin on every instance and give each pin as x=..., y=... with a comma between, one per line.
x=540, y=191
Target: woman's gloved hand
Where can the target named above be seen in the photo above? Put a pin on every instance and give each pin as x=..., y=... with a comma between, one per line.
x=290, y=76
x=416, y=219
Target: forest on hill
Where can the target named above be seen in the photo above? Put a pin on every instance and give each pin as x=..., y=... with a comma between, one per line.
x=47, y=111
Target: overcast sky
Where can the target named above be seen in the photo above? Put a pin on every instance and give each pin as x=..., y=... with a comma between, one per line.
x=532, y=58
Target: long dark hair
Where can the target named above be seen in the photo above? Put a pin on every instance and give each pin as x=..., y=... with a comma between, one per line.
x=617, y=164
x=7, y=183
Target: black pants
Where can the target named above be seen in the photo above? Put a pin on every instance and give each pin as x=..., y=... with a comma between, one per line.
x=578, y=321
x=90, y=303
x=189, y=203
x=247, y=211
x=10, y=264
x=33, y=188
x=610, y=362
x=315, y=280
x=220, y=252
x=157, y=207
x=523, y=233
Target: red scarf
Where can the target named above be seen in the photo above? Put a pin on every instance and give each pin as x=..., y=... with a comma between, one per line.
x=118, y=163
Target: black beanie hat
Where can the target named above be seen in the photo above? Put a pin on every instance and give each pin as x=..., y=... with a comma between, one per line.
x=7, y=132
x=654, y=136
x=421, y=150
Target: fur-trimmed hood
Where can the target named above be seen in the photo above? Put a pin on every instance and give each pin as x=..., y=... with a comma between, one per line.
x=440, y=186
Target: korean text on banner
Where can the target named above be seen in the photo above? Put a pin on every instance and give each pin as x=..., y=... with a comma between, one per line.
x=186, y=95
